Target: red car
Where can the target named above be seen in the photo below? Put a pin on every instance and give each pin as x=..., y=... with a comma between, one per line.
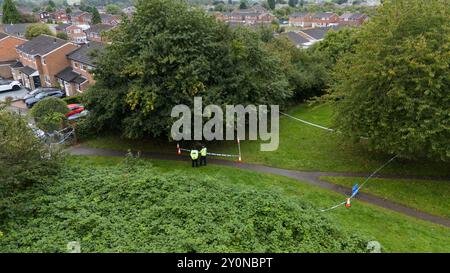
x=74, y=109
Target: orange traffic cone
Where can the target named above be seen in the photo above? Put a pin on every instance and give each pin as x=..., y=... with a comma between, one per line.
x=347, y=204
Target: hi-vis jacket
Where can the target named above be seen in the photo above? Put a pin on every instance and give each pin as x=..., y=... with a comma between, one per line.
x=194, y=154
x=203, y=152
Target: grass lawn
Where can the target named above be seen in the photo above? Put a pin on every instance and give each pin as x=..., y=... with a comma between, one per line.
x=396, y=233
x=302, y=147
x=425, y=195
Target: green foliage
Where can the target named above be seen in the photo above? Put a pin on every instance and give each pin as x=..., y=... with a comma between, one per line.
x=72, y=99
x=49, y=113
x=395, y=85
x=10, y=13
x=243, y=4
x=305, y=71
x=24, y=159
x=113, y=9
x=170, y=53
x=96, y=18
x=335, y=44
x=133, y=207
x=271, y=4
x=35, y=30
x=62, y=35
x=293, y=3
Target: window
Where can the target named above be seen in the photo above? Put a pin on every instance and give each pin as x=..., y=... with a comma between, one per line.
x=75, y=64
x=82, y=67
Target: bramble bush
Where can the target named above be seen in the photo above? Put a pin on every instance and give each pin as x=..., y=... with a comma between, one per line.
x=134, y=208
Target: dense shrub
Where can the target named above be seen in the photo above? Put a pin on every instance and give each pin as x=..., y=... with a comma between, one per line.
x=135, y=208
x=395, y=85
x=24, y=159
x=49, y=113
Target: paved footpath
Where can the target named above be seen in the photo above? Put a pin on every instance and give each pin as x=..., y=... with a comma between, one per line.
x=312, y=178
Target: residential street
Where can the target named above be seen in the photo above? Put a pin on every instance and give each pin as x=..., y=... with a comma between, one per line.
x=19, y=94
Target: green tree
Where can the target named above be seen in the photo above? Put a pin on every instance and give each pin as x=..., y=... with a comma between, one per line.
x=51, y=7
x=68, y=10
x=394, y=86
x=24, y=159
x=243, y=4
x=293, y=3
x=96, y=18
x=306, y=72
x=35, y=30
x=271, y=4
x=113, y=9
x=167, y=55
x=62, y=35
x=49, y=113
x=10, y=13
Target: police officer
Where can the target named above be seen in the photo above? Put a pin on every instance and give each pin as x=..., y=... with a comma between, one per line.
x=203, y=153
x=194, y=157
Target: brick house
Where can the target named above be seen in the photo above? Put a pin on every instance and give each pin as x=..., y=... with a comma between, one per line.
x=8, y=53
x=248, y=16
x=353, y=19
x=300, y=19
x=61, y=17
x=324, y=19
x=76, y=34
x=41, y=59
x=78, y=76
x=80, y=18
x=8, y=45
x=109, y=19
x=96, y=32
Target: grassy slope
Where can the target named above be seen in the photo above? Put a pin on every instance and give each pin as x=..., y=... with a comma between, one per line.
x=425, y=195
x=397, y=233
x=302, y=147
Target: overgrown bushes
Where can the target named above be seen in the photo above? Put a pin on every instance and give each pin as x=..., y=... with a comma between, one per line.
x=135, y=208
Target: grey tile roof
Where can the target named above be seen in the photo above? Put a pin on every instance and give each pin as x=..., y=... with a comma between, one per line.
x=3, y=35
x=323, y=15
x=83, y=54
x=296, y=38
x=62, y=27
x=41, y=45
x=316, y=33
x=27, y=70
x=319, y=33
x=298, y=15
x=99, y=28
x=17, y=65
x=68, y=75
x=15, y=29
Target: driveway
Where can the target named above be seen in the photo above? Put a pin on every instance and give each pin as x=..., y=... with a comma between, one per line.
x=19, y=94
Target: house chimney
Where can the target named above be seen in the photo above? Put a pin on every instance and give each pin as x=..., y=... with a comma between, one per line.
x=54, y=40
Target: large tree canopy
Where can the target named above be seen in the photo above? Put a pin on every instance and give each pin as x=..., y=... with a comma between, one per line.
x=168, y=54
x=395, y=86
x=10, y=13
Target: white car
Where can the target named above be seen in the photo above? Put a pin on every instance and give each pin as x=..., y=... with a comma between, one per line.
x=7, y=85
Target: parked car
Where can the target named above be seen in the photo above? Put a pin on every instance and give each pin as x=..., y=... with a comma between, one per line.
x=33, y=100
x=7, y=85
x=74, y=109
x=36, y=91
x=79, y=115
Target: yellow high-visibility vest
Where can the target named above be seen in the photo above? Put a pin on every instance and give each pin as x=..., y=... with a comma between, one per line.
x=194, y=154
x=203, y=152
